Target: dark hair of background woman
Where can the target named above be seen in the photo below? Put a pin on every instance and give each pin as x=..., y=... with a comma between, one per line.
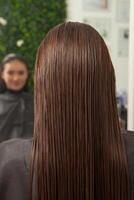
x=7, y=59
x=78, y=151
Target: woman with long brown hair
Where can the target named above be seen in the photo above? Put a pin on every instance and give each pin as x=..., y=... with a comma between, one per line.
x=78, y=152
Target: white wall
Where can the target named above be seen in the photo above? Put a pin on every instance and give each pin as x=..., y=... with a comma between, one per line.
x=131, y=71
x=77, y=13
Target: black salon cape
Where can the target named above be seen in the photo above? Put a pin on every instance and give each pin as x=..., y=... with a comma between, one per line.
x=16, y=115
x=15, y=170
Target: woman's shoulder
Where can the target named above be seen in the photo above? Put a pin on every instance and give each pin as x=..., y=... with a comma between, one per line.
x=14, y=150
x=14, y=173
x=7, y=95
x=129, y=140
x=129, y=144
x=13, y=145
x=3, y=96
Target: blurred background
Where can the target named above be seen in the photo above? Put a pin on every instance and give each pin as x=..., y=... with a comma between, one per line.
x=24, y=23
x=111, y=18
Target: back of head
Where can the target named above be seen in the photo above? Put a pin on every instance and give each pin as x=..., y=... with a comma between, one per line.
x=78, y=153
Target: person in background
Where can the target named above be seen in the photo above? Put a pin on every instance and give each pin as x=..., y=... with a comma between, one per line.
x=122, y=111
x=78, y=151
x=16, y=103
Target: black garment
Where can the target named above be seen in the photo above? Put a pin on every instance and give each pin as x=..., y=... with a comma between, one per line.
x=14, y=172
x=129, y=143
x=14, y=167
x=16, y=115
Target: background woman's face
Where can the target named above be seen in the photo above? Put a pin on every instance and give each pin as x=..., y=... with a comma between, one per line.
x=15, y=75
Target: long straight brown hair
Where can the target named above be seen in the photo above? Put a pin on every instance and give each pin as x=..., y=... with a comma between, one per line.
x=78, y=151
